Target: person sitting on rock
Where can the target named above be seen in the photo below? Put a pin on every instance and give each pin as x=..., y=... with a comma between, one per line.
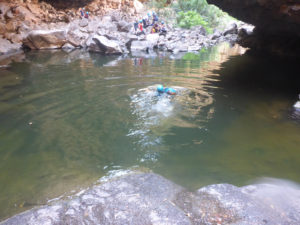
x=155, y=18
x=81, y=13
x=162, y=28
x=86, y=15
x=170, y=91
x=136, y=26
x=153, y=29
x=145, y=22
x=156, y=28
x=141, y=28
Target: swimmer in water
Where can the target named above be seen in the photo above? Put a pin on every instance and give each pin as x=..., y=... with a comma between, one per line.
x=160, y=89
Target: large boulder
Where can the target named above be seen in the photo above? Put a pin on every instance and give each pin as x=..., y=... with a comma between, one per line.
x=76, y=37
x=45, y=39
x=144, y=46
x=153, y=39
x=124, y=26
x=147, y=198
x=91, y=45
x=102, y=44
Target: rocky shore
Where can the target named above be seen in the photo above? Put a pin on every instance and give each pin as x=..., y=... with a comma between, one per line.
x=147, y=198
x=40, y=26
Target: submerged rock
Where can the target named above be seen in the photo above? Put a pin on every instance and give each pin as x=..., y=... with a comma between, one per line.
x=147, y=198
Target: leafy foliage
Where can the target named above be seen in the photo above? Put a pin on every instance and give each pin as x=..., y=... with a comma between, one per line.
x=191, y=18
x=191, y=13
x=210, y=13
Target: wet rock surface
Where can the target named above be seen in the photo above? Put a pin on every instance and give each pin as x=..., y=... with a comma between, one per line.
x=147, y=198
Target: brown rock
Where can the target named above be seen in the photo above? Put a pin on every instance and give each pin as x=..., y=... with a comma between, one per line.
x=14, y=38
x=2, y=28
x=34, y=9
x=4, y=7
x=11, y=26
x=24, y=14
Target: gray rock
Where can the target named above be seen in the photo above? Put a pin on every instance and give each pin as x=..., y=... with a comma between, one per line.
x=84, y=22
x=147, y=198
x=68, y=46
x=123, y=26
x=91, y=45
x=107, y=46
x=232, y=29
x=199, y=29
x=258, y=204
x=140, y=46
x=76, y=37
x=216, y=35
x=153, y=40
x=7, y=47
x=194, y=48
x=135, y=199
x=45, y=39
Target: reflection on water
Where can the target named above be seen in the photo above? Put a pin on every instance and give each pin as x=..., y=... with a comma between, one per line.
x=67, y=119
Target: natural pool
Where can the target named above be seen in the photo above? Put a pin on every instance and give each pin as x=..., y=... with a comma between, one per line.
x=67, y=119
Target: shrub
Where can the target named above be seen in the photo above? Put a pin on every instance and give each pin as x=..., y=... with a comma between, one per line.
x=210, y=13
x=191, y=18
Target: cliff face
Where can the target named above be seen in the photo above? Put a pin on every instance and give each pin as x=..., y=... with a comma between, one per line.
x=113, y=4
x=19, y=17
x=277, y=23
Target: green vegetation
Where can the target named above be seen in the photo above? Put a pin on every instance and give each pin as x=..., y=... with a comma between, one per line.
x=191, y=18
x=189, y=13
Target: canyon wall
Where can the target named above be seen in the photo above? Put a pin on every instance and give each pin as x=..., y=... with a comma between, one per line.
x=277, y=23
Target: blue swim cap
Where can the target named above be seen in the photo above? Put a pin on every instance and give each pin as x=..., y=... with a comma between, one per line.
x=162, y=22
x=171, y=90
x=160, y=88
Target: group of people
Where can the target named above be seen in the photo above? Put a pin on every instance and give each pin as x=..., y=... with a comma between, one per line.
x=150, y=20
x=83, y=13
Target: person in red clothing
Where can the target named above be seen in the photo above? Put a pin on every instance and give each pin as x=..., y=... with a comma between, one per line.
x=141, y=27
x=86, y=15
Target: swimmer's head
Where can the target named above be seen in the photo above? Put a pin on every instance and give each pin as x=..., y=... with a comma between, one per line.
x=160, y=88
x=171, y=91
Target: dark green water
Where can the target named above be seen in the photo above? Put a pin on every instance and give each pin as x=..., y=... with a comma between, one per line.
x=67, y=119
